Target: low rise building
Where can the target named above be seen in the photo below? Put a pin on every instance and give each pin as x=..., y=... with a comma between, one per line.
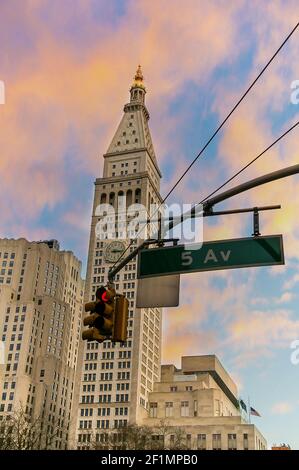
x=201, y=399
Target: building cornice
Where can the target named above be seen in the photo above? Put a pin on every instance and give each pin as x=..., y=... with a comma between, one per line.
x=124, y=152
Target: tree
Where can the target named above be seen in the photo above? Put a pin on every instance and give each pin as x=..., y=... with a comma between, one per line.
x=134, y=437
x=168, y=437
x=20, y=431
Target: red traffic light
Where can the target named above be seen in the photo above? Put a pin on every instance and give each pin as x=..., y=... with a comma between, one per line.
x=101, y=294
x=104, y=295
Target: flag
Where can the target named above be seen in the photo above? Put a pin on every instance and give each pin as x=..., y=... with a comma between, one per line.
x=243, y=406
x=254, y=412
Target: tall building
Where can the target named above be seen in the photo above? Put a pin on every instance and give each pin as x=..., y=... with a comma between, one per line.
x=201, y=399
x=116, y=379
x=41, y=299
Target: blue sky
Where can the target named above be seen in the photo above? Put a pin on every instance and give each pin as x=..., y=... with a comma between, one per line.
x=67, y=68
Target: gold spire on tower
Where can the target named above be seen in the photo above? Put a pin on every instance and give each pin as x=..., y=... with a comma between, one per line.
x=138, y=79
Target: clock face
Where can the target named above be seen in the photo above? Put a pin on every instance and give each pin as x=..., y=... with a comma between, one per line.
x=114, y=250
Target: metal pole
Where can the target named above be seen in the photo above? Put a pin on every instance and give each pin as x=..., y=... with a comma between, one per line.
x=256, y=223
x=240, y=211
x=249, y=409
x=275, y=175
x=207, y=205
x=135, y=252
x=127, y=259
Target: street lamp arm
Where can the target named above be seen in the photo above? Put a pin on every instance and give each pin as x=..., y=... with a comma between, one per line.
x=275, y=175
x=207, y=207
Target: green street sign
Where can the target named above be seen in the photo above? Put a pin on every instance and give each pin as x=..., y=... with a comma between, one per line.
x=220, y=254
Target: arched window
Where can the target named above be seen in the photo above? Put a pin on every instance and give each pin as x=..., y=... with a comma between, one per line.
x=112, y=198
x=120, y=200
x=138, y=196
x=129, y=197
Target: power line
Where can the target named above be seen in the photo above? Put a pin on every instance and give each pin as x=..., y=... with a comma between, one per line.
x=230, y=113
x=210, y=139
x=248, y=164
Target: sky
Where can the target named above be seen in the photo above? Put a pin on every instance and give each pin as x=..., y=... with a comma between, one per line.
x=67, y=69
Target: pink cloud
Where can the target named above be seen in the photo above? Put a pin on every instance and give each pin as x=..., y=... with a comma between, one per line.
x=282, y=408
x=60, y=91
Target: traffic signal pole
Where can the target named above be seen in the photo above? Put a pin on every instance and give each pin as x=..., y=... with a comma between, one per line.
x=207, y=206
x=112, y=273
x=275, y=175
x=130, y=256
x=208, y=211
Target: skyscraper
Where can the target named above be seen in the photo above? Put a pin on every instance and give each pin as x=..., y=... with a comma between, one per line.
x=116, y=378
x=41, y=298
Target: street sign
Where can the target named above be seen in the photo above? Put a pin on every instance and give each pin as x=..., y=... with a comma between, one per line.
x=213, y=255
x=158, y=292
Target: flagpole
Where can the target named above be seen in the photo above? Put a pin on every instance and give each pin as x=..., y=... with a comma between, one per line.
x=249, y=414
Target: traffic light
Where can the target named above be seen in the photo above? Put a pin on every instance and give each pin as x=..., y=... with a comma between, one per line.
x=108, y=317
x=100, y=320
x=120, y=319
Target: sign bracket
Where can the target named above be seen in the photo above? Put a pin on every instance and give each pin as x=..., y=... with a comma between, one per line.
x=255, y=210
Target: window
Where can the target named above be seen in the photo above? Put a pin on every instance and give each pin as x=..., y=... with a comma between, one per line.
x=245, y=441
x=216, y=442
x=232, y=442
x=201, y=442
x=184, y=408
x=103, y=411
x=168, y=409
x=195, y=407
x=42, y=373
x=173, y=389
x=158, y=441
x=153, y=410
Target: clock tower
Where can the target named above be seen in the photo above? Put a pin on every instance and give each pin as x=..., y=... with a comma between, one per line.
x=116, y=378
